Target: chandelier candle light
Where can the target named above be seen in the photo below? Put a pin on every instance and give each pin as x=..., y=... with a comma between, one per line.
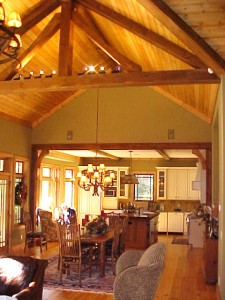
x=10, y=42
x=95, y=176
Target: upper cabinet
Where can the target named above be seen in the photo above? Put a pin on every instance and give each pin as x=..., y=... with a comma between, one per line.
x=176, y=184
x=118, y=191
x=161, y=184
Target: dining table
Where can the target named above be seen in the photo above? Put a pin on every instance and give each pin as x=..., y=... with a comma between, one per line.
x=101, y=240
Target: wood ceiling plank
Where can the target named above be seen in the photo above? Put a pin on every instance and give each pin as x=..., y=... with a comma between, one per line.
x=185, y=33
x=28, y=54
x=66, y=39
x=56, y=108
x=36, y=14
x=95, y=37
x=68, y=83
x=144, y=33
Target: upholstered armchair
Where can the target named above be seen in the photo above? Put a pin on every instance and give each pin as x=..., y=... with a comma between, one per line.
x=138, y=273
x=22, y=277
x=48, y=227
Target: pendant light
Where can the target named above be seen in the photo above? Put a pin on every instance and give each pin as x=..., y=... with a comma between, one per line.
x=129, y=178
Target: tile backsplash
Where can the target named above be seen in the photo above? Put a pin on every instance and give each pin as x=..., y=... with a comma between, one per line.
x=183, y=205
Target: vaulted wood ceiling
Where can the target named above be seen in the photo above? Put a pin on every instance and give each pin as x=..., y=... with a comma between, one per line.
x=166, y=45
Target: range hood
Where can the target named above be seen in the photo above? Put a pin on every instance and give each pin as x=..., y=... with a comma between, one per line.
x=196, y=184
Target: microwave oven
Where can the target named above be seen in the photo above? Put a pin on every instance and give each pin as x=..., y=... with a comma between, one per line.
x=110, y=193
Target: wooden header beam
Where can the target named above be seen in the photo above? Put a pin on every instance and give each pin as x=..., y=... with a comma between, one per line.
x=71, y=83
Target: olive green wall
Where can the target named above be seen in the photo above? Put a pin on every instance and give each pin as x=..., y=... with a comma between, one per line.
x=15, y=138
x=125, y=115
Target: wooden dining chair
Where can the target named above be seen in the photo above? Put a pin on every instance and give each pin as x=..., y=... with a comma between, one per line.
x=32, y=237
x=71, y=256
x=123, y=235
x=112, y=218
x=112, y=254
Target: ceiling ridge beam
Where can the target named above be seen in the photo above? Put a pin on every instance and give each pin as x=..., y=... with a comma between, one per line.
x=145, y=33
x=95, y=37
x=68, y=83
x=185, y=33
x=36, y=14
x=23, y=59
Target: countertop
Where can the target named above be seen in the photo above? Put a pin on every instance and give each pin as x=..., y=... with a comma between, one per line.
x=147, y=215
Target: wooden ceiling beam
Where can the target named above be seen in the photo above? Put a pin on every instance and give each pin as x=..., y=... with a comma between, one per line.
x=66, y=39
x=71, y=83
x=29, y=53
x=146, y=34
x=185, y=33
x=105, y=154
x=163, y=154
x=95, y=37
x=37, y=13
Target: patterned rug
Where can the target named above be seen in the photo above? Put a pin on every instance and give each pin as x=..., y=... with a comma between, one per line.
x=180, y=241
x=70, y=282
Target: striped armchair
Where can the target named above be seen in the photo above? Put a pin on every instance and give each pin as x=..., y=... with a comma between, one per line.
x=48, y=227
x=138, y=273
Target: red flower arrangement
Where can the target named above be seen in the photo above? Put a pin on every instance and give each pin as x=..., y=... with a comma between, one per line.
x=20, y=193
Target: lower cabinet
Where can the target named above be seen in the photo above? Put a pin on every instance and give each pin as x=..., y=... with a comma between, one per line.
x=139, y=234
x=175, y=222
x=162, y=227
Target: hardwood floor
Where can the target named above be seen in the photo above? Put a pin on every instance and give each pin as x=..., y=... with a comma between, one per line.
x=182, y=277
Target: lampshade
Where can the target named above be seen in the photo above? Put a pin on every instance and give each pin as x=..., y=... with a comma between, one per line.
x=129, y=179
x=14, y=20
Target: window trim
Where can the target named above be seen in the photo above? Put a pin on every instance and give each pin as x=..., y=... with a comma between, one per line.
x=154, y=185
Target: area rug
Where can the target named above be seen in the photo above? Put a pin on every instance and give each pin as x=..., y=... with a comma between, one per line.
x=70, y=282
x=180, y=241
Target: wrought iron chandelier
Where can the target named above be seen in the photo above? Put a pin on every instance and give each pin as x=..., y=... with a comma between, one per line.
x=10, y=42
x=95, y=176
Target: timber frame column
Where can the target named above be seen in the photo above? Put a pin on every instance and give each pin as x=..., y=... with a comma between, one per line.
x=36, y=158
x=66, y=39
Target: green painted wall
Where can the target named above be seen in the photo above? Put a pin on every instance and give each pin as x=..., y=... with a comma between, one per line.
x=15, y=138
x=125, y=115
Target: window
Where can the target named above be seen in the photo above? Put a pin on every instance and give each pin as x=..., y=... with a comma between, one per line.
x=19, y=167
x=144, y=191
x=69, y=187
x=1, y=165
x=19, y=170
x=49, y=188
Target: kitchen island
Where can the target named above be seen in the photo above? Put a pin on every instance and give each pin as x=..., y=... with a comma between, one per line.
x=142, y=230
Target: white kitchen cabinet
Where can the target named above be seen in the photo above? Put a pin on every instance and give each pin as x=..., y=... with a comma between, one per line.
x=118, y=191
x=88, y=204
x=162, y=226
x=161, y=183
x=123, y=188
x=177, y=184
x=175, y=222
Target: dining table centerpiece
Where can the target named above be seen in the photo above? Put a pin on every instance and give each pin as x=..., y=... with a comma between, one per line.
x=97, y=226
